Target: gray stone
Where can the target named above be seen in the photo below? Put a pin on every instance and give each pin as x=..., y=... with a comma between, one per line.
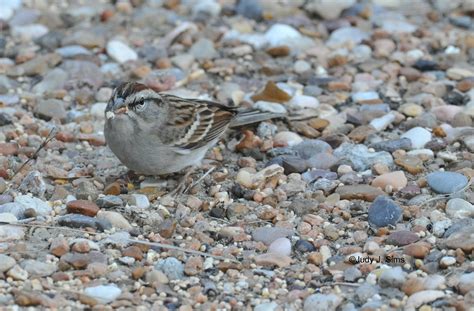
x=322, y=302
x=6, y=262
x=51, y=109
x=172, y=267
x=312, y=147
x=250, y=8
x=393, y=277
x=103, y=293
x=446, y=182
x=41, y=208
x=360, y=157
x=203, y=49
x=38, y=268
x=109, y=201
x=53, y=80
x=384, y=212
x=269, y=234
x=459, y=208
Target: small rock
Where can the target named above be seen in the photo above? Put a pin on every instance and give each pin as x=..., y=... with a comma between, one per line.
x=267, y=235
x=397, y=180
x=384, y=212
x=6, y=262
x=393, y=277
x=322, y=302
x=272, y=260
x=459, y=208
x=104, y=294
x=281, y=246
x=446, y=182
x=120, y=52
x=38, y=268
x=171, y=267
x=272, y=93
x=402, y=238
x=83, y=207
x=115, y=219
x=466, y=283
x=203, y=49
x=423, y=297
x=359, y=192
x=140, y=200
x=418, y=137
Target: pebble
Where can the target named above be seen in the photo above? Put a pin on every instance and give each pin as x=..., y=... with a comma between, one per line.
x=343, y=35
x=281, y=34
x=360, y=157
x=384, y=212
x=104, y=294
x=459, y=208
x=272, y=260
x=418, y=137
x=171, y=267
x=83, y=207
x=303, y=101
x=249, y=9
x=286, y=138
x=393, y=277
x=423, y=297
x=446, y=182
x=115, y=219
x=322, y=302
x=39, y=206
x=140, y=200
x=6, y=263
x=466, y=283
x=281, y=246
x=38, y=268
x=120, y=52
x=203, y=49
x=397, y=180
x=268, y=235
x=402, y=238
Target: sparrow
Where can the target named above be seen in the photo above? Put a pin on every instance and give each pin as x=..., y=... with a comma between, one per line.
x=154, y=133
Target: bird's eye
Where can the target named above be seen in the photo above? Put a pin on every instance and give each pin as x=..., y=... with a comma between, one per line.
x=138, y=105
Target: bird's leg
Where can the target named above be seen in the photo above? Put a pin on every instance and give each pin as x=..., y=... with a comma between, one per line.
x=192, y=185
x=182, y=188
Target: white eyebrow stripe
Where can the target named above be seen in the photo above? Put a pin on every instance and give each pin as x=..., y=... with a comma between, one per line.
x=145, y=94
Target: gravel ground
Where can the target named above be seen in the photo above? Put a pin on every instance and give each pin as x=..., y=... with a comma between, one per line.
x=359, y=199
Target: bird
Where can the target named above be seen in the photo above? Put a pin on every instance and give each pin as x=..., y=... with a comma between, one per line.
x=154, y=133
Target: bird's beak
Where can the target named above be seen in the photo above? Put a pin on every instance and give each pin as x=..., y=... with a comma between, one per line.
x=119, y=107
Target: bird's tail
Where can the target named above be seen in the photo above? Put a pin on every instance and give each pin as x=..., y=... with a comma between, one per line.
x=250, y=116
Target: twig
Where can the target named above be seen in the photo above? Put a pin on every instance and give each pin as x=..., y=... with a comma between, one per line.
x=43, y=144
x=184, y=250
x=448, y=195
x=199, y=180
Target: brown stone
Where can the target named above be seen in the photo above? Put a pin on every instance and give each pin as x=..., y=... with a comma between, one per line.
x=272, y=260
x=410, y=73
x=337, y=60
x=412, y=164
x=318, y=123
x=401, y=238
x=359, y=192
x=59, y=247
x=81, y=247
x=112, y=189
x=272, y=93
x=417, y=250
x=397, y=180
x=93, y=139
x=250, y=141
x=360, y=133
x=65, y=137
x=83, y=207
x=316, y=258
x=166, y=228
x=279, y=51
x=463, y=239
x=7, y=149
x=134, y=252
x=60, y=276
x=339, y=86
x=138, y=272
x=412, y=286
x=193, y=266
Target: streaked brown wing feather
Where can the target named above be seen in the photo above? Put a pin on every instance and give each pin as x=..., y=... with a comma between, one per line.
x=197, y=122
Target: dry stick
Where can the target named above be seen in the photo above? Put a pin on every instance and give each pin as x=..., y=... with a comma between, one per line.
x=448, y=195
x=162, y=245
x=43, y=144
